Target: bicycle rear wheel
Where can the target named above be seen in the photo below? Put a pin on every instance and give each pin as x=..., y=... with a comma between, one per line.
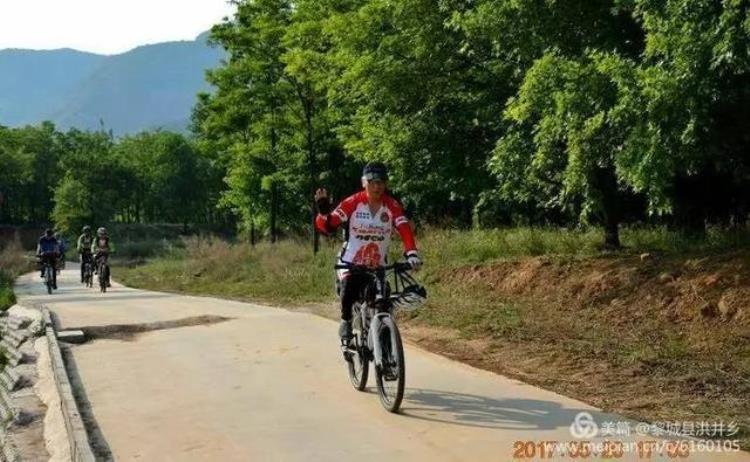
x=391, y=375
x=358, y=362
x=48, y=279
x=103, y=274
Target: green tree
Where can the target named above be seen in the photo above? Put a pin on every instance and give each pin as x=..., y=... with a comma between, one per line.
x=88, y=158
x=688, y=109
x=75, y=206
x=30, y=158
x=567, y=136
x=412, y=97
x=265, y=117
x=166, y=178
x=16, y=173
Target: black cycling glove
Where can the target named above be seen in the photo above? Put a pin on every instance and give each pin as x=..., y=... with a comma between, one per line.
x=324, y=205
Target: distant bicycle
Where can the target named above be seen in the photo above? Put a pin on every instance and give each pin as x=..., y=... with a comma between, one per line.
x=376, y=336
x=49, y=273
x=102, y=260
x=88, y=271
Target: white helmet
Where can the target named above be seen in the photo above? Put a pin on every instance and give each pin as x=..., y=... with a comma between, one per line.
x=411, y=298
x=101, y=232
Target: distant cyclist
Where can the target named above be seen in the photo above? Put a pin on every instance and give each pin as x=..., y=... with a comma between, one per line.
x=48, y=251
x=63, y=248
x=83, y=246
x=101, y=247
x=371, y=216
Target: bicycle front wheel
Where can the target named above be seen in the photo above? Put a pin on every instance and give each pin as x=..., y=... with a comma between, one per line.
x=48, y=279
x=103, y=274
x=390, y=376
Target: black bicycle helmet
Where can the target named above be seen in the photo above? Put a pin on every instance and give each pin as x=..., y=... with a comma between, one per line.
x=375, y=171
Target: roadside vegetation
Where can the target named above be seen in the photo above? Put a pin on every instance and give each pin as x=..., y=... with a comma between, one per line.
x=14, y=261
x=659, y=331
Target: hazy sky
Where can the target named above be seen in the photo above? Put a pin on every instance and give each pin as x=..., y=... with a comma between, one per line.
x=104, y=26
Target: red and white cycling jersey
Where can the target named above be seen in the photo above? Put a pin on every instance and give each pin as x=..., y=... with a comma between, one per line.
x=369, y=233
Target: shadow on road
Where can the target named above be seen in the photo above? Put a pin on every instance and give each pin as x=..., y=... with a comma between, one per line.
x=480, y=411
x=129, y=332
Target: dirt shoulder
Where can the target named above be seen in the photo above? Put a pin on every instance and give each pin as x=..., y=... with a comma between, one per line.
x=656, y=339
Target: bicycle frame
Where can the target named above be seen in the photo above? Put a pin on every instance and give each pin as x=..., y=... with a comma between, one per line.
x=378, y=313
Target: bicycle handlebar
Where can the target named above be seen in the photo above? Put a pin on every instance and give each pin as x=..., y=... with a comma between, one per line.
x=398, y=266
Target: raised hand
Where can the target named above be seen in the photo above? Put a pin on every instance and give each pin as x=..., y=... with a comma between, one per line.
x=322, y=201
x=321, y=193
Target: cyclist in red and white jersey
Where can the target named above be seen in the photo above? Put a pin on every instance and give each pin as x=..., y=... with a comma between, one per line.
x=371, y=216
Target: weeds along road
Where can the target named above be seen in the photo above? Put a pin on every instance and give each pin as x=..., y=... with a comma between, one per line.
x=170, y=377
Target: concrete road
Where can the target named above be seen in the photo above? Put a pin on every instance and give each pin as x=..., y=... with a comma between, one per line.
x=270, y=385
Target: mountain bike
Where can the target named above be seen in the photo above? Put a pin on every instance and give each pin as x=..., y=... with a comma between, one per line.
x=103, y=271
x=88, y=271
x=49, y=272
x=375, y=335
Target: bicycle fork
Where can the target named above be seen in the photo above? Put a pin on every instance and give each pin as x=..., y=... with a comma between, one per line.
x=380, y=321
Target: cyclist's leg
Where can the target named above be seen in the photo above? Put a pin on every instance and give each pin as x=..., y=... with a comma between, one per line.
x=53, y=259
x=49, y=261
x=351, y=288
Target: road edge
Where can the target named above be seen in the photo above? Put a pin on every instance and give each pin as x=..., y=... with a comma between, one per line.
x=80, y=446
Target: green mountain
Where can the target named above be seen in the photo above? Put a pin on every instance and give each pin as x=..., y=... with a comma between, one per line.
x=32, y=82
x=149, y=87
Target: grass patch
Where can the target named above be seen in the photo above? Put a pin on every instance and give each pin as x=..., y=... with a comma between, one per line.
x=145, y=248
x=461, y=247
x=283, y=272
x=456, y=247
x=13, y=262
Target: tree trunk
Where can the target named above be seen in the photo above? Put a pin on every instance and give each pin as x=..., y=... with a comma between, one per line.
x=311, y=164
x=605, y=181
x=274, y=186
x=252, y=233
x=307, y=102
x=316, y=236
x=612, y=234
x=274, y=205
